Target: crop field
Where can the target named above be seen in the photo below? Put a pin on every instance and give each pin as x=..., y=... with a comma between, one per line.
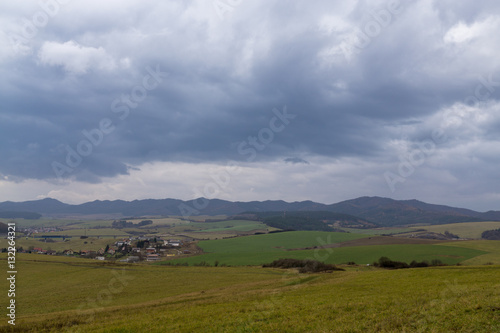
x=231, y=225
x=378, y=231
x=88, y=296
x=260, y=249
x=87, y=232
x=464, y=230
x=75, y=244
x=490, y=246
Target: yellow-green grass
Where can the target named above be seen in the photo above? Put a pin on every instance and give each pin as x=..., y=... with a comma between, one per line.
x=492, y=247
x=83, y=297
x=160, y=221
x=75, y=244
x=88, y=232
x=464, y=230
x=88, y=224
x=231, y=225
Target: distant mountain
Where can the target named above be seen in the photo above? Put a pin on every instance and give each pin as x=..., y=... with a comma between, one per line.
x=389, y=212
x=381, y=211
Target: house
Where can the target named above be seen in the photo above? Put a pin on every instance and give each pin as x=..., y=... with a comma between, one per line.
x=84, y=252
x=100, y=251
x=152, y=257
x=37, y=249
x=151, y=250
x=136, y=249
x=133, y=259
x=68, y=252
x=51, y=252
x=111, y=251
x=174, y=242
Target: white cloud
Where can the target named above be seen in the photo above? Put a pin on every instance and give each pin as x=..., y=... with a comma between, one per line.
x=76, y=58
x=461, y=32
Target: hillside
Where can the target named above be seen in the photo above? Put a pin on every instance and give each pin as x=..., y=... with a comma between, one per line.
x=309, y=220
x=389, y=212
x=250, y=299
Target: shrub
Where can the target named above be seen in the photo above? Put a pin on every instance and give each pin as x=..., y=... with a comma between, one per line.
x=304, y=266
x=385, y=262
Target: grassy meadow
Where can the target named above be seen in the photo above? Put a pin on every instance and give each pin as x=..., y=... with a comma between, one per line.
x=464, y=230
x=76, y=295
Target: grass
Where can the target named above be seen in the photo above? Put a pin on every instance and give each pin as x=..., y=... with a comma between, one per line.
x=277, y=241
x=464, y=230
x=378, y=231
x=490, y=246
x=76, y=297
x=88, y=232
x=232, y=225
x=260, y=249
x=76, y=244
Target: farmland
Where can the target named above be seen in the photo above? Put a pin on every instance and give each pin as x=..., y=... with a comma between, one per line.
x=259, y=249
x=471, y=230
x=248, y=299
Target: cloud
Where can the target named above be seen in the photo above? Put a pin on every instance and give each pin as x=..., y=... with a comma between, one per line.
x=434, y=66
x=295, y=160
x=77, y=59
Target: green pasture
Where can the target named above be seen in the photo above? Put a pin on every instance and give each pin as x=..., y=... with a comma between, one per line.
x=358, y=254
x=492, y=248
x=277, y=242
x=385, y=231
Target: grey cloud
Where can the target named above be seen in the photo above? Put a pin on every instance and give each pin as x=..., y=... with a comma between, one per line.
x=223, y=80
x=295, y=160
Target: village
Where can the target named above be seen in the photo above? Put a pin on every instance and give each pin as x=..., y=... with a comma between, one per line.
x=130, y=250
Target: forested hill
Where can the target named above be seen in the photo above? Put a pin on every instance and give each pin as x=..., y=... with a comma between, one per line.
x=381, y=211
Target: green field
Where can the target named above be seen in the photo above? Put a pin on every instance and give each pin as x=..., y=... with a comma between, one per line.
x=231, y=225
x=260, y=249
x=378, y=231
x=464, y=230
x=490, y=246
x=77, y=295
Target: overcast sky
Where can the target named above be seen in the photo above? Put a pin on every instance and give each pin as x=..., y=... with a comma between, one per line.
x=250, y=100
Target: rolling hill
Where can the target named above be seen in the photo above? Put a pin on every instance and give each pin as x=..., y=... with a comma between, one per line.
x=381, y=211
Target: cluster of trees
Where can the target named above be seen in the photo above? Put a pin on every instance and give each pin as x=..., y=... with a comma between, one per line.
x=491, y=234
x=385, y=262
x=307, y=220
x=124, y=224
x=20, y=215
x=304, y=266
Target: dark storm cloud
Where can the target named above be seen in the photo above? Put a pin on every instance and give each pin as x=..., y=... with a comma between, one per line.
x=221, y=81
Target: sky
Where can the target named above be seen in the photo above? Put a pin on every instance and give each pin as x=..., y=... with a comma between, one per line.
x=250, y=100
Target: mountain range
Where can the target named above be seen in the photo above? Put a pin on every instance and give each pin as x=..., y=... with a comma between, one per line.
x=381, y=211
